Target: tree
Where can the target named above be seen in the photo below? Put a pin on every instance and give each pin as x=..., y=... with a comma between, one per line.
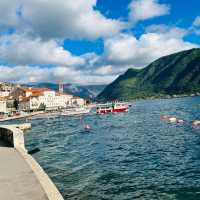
x=16, y=104
x=42, y=106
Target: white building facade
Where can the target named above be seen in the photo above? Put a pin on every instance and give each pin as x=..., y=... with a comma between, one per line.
x=3, y=105
x=29, y=103
x=4, y=93
x=52, y=99
x=77, y=101
x=45, y=98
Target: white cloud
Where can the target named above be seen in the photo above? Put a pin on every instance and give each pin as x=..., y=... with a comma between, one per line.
x=27, y=74
x=104, y=70
x=21, y=74
x=197, y=21
x=171, y=32
x=61, y=19
x=121, y=52
x=68, y=19
x=125, y=49
x=121, y=49
x=146, y=9
x=91, y=59
x=8, y=12
x=23, y=50
x=41, y=26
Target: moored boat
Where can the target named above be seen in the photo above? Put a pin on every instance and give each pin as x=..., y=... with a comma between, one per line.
x=45, y=115
x=115, y=107
x=75, y=111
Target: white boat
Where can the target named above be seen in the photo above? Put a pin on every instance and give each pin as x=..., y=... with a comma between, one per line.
x=114, y=107
x=75, y=111
x=45, y=115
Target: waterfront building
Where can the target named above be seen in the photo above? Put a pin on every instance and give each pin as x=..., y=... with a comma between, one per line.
x=20, y=92
x=7, y=104
x=5, y=90
x=77, y=101
x=37, y=98
x=3, y=105
x=31, y=99
x=54, y=100
x=4, y=93
x=29, y=104
x=6, y=87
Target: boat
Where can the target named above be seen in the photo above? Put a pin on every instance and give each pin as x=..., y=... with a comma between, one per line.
x=114, y=107
x=75, y=111
x=47, y=115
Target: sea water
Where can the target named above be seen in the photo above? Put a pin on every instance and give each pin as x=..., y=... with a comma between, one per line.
x=123, y=156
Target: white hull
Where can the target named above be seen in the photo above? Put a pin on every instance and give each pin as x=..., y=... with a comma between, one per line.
x=75, y=111
x=114, y=107
x=46, y=115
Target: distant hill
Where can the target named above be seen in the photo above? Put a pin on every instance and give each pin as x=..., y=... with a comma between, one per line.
x=86, y=91
x=178, y=73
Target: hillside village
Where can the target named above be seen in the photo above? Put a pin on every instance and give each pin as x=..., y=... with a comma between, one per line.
x=17, y=98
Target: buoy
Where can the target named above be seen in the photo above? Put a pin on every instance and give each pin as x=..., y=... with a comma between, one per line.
x=180, y=121
x=196, y=123
x=164, y=117
x=172, y=119
x=87, y=127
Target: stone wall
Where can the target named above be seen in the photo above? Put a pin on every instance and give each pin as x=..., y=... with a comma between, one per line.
x=12, y=136
x=6, y=135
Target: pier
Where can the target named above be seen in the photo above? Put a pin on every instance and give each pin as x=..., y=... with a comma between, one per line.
x=21, y=177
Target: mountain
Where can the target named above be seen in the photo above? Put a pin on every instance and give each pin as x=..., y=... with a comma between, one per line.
x=86, y=91
x=178, y=74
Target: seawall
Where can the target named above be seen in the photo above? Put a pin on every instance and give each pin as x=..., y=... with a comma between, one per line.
x=14, y=137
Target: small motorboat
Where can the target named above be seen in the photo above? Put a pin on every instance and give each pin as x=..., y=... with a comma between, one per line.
x=75, y=111
x=115, y=107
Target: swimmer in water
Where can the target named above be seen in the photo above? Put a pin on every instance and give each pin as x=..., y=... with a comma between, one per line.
x=87, y=127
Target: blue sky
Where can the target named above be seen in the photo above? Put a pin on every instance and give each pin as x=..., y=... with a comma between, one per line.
x=91, y=41
x=182, y=14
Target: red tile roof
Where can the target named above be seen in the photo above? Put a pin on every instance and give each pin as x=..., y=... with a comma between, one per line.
x=35, y=91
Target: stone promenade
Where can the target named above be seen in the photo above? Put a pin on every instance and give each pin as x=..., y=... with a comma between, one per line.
x=17, y=180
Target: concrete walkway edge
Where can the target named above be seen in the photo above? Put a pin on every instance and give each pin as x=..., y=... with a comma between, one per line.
x=46, y=183
x=15, y=136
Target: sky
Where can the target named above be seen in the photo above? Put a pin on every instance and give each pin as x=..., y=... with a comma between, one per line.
x=88, y=42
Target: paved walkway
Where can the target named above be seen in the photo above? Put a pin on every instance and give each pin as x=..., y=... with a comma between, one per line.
x=17, y=180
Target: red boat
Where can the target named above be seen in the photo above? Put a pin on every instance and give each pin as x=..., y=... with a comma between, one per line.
x=112, y=108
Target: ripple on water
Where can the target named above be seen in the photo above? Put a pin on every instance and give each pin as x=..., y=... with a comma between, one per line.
x=125, y=156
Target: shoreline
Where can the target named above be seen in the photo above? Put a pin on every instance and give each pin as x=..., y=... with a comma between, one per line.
x=158, y=98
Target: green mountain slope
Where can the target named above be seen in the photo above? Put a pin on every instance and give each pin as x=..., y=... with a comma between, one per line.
x=174, y=74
